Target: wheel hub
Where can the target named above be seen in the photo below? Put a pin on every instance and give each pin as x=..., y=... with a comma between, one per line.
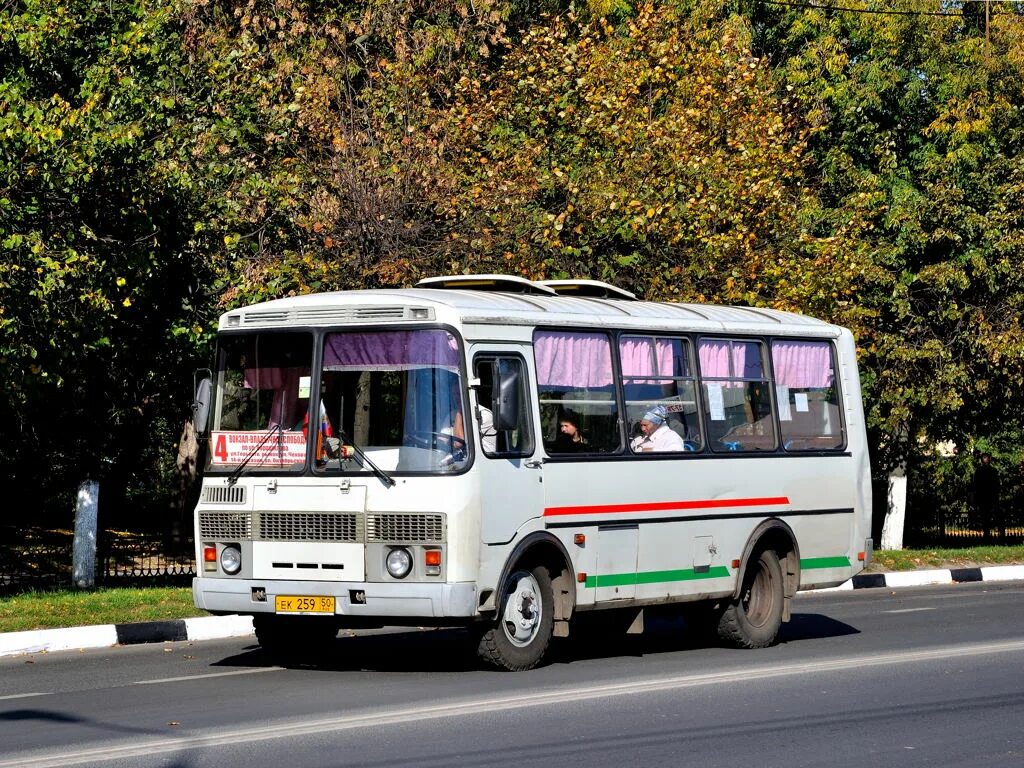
x=522, y=611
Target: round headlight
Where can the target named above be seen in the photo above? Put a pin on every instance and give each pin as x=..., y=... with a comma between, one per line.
x=231, y=559
x=399, y=563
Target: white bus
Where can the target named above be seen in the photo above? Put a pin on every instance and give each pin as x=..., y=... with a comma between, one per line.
x=503, y=454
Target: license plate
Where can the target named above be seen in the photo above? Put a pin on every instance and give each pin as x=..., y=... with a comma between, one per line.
x=303, y=604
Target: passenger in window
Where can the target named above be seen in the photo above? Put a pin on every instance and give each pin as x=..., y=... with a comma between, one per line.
x=488, y=434
x=571, y=437
x=655, y=434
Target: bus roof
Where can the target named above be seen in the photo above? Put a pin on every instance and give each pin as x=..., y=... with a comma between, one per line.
x=469, y=304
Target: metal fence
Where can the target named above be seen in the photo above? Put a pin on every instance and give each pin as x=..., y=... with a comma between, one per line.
x=941, y=510
x=36, y=558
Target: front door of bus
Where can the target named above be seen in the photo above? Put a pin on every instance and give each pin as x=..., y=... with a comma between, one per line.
x=510, y=477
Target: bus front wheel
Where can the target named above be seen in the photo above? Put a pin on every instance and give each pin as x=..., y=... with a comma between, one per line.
x=753, y=619
x=523, y=627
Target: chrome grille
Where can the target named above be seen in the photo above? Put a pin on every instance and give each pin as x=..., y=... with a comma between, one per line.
x=225, y=526
x=309, y=526
x=224, y=494
x=405, y=528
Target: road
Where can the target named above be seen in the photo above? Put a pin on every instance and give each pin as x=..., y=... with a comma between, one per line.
x=916, y=677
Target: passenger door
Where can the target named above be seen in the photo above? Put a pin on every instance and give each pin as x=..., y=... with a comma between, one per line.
x=510, y=478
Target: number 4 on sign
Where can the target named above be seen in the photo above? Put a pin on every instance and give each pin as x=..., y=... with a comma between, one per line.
x=220, y=450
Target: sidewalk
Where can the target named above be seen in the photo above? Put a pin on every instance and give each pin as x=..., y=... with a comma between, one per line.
x=218, y=627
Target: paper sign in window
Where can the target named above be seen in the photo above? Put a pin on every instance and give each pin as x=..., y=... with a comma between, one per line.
x=800, y=401
x=782, y=391
x=716, y=403
x=303, y=387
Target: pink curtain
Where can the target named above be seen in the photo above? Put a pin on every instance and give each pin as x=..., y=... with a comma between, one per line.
x=570, y=359
x=285, y=409
x=643, y=356
x=391, y=350
x=802, y=364
x=715, y=354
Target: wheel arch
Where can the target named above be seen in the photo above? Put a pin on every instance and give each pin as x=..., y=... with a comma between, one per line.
x=542, y=548
x=776, y=535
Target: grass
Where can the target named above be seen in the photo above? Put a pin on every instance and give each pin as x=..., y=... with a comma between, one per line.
x=970, y=557
x=46, y=610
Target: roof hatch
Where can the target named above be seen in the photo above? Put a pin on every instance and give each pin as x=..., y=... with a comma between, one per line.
x=593, y=289
x=502, y=283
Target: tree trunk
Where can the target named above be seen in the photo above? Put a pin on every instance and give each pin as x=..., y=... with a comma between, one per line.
x=895, y=515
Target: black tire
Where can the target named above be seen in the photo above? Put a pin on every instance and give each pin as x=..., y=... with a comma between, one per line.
x=753, y=620
x=522, y=630
x=294, y=638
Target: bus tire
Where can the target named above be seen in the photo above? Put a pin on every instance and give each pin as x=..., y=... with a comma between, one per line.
x=524, y=625
x=753, y=619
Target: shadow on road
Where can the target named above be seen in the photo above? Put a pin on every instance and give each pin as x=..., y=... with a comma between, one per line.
x=454, y=650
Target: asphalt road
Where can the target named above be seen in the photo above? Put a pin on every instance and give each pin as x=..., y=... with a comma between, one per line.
x=915, y=677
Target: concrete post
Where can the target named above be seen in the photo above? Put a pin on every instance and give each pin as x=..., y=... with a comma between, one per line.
x=83, y=558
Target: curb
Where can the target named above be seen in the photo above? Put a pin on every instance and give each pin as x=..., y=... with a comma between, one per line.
x=219, y=627
x=928, y=578
x=108, y=635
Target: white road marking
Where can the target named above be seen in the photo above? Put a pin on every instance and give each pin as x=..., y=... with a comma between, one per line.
x=25, y=695
x=185, y=678
x=909, y=610
x=111, y=751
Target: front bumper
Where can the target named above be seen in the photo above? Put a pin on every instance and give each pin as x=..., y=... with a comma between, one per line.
x=382, y=600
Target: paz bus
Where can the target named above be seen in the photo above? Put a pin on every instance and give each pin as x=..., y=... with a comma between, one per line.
x=508, y=455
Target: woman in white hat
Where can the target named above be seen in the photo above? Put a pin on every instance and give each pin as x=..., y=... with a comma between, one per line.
x=655, y=435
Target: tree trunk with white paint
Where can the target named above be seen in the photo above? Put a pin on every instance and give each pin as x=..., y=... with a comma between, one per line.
x=895, y=515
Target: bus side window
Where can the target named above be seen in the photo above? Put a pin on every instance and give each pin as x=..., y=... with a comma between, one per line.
x=737, y=398
x=805, y=385
x=575, y=378
x=506, y=442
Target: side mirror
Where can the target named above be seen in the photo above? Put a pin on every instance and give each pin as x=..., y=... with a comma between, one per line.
x=203, y=382
x=507, y=395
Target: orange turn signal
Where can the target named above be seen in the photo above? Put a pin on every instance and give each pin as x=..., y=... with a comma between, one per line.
x=209, y=554
x=432, y=557
x=579, y=539
x=860, y=556
x=581, y=578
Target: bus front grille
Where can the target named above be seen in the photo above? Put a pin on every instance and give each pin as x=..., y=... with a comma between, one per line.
x=405, y=528
x=322, y=526
x=224, y=494
x=225, y=526
x=309, y=526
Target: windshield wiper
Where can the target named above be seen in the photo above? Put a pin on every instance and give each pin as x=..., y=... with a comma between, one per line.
x=363, y=458
x=237, y=472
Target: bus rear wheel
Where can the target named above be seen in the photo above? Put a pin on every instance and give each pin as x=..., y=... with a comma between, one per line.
x=523, y=627
x=753, y=619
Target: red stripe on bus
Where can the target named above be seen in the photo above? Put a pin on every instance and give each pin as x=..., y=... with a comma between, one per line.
x=666, y=506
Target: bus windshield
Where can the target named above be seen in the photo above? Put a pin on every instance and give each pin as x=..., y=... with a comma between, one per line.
x=262, y=403
x=396, y=396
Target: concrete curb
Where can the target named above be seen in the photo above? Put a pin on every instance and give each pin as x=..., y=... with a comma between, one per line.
x=928, y=578
x=108, y=635
x=218, y=627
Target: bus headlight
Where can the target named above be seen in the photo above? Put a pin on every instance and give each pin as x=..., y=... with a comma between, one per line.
x=399, y=562
x=231, y=559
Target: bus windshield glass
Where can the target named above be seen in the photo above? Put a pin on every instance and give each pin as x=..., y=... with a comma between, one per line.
x=397, y=397
x=261, y=410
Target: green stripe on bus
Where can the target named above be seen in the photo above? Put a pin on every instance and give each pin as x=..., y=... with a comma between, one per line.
x=824, y=562
x=654, y=577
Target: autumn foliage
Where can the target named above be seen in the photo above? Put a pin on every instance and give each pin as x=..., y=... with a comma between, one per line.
x=160, y=162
